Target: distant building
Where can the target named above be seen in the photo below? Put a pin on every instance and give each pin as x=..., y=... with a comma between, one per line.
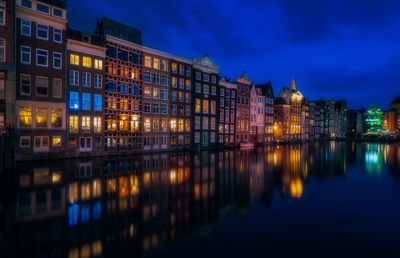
x=227, y=112
x=257, y=115
x=268, y=92
x=395, y=118
x=243, y=109
x=373, y=119
x=341, y=119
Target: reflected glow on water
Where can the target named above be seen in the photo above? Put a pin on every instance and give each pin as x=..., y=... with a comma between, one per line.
x=142, y=205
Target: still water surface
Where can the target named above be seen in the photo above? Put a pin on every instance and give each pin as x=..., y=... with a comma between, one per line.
x=333, y=199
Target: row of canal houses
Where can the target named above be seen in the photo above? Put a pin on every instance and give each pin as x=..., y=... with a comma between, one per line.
x=78, y=94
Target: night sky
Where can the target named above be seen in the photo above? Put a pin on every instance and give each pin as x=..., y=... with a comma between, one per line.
x=339, y=49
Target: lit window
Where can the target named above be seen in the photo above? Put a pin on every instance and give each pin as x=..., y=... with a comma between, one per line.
x=174, y=67
x=86, y=101
x=85, y=124
x=173, y=125
x=205, y=106
x=180, y=125
x=173, y=82
x=41, y=57
x=74, y=59
x=213, y=106
x=57, y=60
x=74, y=100
x=41, y=86
x=41, y=117
x=56, y=141
x=97, y=124
x=147, y=125
x=98, y=64
x=42, y=32
x=73, y=124
x=25, y=28
x=87, y=61
x=57, y=35
x=25, y=117
x=198, y=106
x=56, y=118
x=97, y=102
x=25, y=55
x=156, y=63
x=147, y=92
x=147, y=61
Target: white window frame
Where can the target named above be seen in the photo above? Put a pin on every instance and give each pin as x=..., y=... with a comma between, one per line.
x=54, y=35
x=54, y=59
x=99, y=81
x=85, y=148
x=30, y=85
x=49, y=8
x=37, y=30
x=30, y=28
x=47, y=57
x=58, y=79
x=76, y=77
x=86, y=79
x=29, y=62
x=89, y=100
x=41, y=148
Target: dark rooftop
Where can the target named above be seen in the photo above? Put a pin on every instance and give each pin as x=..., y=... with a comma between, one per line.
x=58, y=3
x=396, y=100
x=93, y=39
x=110, y=27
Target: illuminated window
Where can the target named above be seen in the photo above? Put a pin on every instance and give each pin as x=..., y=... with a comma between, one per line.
x=213, y=106
x=134, y=123
x=111, y=125
x=56, y=118
x=56, y=141
x=180, y=125
x=188, y=85
x=173, y=125
x=87, y=62
x=73, y=124
x=97, y=124
x=25, y=117
x=205, y=106
x=85, y=124
x=187, y=125
x=197, y=106
x=147, y=61
x=205, y=122
x=174, y=68
x=147, y=125
x=164, y=125
x=41, y=117
x=156, y=124
x=156, y=63
x=74, y=59
x=173, y=82
x=123, y=123
x=98, y=64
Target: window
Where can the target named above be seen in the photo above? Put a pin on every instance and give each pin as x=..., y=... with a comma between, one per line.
x=2, y=13
x=42, y=32
x=213, y=79
x=73, y=124
x=213, y=107
x=74, y=100
x=57, y=60
x=98, y=64
x=198, y=76
x=2, y=50
x=56, y=141
x=205, y=106
x=135, y=90
x=181, y=83
x=41, y=144
x=147, y=107
x=25, y=55
x=156, y=63
x=41, y=86
x=56, y=118
x=86, y=79
x=74, y=59
x=41, y=57
x=173, y=125
x=25, y=117
x=97, y=81
x=197, y=137
x=147, y=124
x=205, y=122
x=25, y=141
x=25, y=84
x=205, y=89
x=57, y=88
x=156, y=108
x=87, y=61
x=147, y=92
x=26, y=3
x=198, y=88
x=212, y=123
x=25, y=28
x=97, y=102
x=41, y=117
x=174, y=68
x=112, y=86
x=147, y=61
x=156, y=78
x=164, y=109
x=164, y=65
x=213, y=90
x=188, y=85
x=188, y=72
x=156, y=93
x=85, y=124
x=73, y=77
x=206, y=77
x=147, y=77
x=197, y=106
x=42, y=8
x=164, y=80
x=164, y=94
x=86, y=101
x=97, y=124
x=181, y=125
x=57, y=35
x=173, y=82
x=57, y=12
x=85, y=144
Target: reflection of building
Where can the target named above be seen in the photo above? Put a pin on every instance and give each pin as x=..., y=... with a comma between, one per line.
x=40, y=95
x=85, y=94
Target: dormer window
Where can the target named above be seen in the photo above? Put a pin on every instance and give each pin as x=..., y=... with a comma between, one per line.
x=42, y=8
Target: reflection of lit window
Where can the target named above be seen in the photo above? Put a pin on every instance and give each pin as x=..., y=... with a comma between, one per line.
x=96, y=188
x=134, y=183
x=97, y=210
x=97, y=248
x=41, y=176
x=85, y=191
x=111, y=185
x=24, y=180
x=56, y=177
x=73, y=192
x=85, y=213
x=146, y=179
x=73, y=212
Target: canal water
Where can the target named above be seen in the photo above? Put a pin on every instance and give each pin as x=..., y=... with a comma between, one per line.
x=335, y=199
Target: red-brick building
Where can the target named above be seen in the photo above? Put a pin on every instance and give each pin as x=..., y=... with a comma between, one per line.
x=243, y=109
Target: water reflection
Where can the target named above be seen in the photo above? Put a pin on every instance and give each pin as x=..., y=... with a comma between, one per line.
x=133, y=205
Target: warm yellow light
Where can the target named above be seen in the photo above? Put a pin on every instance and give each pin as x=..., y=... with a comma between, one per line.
x=172, y=176
x=56, y=177
x=296, y=188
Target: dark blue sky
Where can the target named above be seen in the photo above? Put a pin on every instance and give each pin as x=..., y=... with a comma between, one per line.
x=340, y=49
